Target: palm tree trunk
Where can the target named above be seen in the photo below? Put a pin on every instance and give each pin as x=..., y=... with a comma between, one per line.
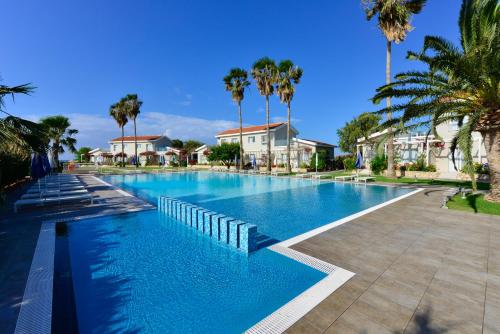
x=288, y=163
x=390, y=137
x=55, y=153
x=135, y=145
x=268, y=131
x=492, y=145
x=241, y=136
x=123, y=157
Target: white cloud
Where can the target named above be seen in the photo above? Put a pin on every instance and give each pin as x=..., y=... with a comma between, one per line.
x=278, y=119
x=96, y=130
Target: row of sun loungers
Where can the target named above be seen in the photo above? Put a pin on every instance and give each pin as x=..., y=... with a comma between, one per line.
x=54, y=189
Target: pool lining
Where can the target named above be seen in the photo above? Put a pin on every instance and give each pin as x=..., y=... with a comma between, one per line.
x=35, y=315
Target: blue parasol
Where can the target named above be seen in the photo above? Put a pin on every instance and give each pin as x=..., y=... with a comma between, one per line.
x=254, y=162
x=37, y=170
x=359, y=161
x=133, y=161
x=46, y=164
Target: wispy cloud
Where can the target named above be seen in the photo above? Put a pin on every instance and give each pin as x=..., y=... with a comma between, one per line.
x=278, y=119
x=96, y=130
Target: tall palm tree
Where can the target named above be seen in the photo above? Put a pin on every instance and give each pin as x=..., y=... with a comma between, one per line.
x=133, y=108
x=461, y=84
x=59, y=133
x=287, y=77
x=236, y=82
x=394, y=18
x=264, y=73
x=118, y=112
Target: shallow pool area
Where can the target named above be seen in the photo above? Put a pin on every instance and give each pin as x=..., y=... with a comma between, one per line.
x=145, y=272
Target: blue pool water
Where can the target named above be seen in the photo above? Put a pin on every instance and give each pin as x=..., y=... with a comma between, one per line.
x=280, y=207
x=146, y=273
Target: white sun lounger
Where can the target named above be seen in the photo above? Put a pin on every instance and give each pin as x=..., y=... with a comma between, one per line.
x=345, y=177
x=36, y=189
x=364, y=179
x=274, y=173
x=53, y=193
x=321, y=176
x=52, y=200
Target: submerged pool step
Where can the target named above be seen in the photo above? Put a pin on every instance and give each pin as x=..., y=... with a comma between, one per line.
x=221, y=228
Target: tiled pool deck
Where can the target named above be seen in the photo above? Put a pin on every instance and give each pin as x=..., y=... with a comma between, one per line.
x=419, y=268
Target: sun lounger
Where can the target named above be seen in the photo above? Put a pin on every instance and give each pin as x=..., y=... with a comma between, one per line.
x=364, y=179
x=52, y=200
x=53, y=193
x=345, y=177
x=36, y=189
x=275, y=173
x=321, y=176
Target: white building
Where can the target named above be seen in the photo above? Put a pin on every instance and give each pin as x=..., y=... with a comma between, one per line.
x=148, y=147
x=435, y=150
x=255, y=144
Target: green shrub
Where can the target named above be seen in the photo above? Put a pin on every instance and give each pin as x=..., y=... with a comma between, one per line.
x=322, y=160
x=304, y=165
x=430, y=168
x=378, y=164
x=349, y=163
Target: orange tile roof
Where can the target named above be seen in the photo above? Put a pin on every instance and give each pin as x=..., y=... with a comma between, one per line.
x=131, y=138
x=249, y=129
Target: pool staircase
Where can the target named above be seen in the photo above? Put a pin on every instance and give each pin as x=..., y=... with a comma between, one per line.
x=226, y=230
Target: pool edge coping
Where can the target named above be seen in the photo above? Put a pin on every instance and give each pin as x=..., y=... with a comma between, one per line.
x=276, y=322
x=288, y=314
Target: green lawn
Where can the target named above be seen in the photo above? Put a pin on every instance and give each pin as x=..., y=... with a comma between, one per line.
x=474, y=203
x=447, y=183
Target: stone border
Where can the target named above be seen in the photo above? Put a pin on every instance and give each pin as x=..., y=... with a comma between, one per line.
x=284, y=317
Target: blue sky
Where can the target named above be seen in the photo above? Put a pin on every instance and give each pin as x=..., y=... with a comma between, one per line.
x=84, y=55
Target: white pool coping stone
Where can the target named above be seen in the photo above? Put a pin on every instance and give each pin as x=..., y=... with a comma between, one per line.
x=288, y=314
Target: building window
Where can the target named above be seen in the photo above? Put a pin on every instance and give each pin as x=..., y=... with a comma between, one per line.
x=138, y=146
x=115, y=147
x=251, y=139
x=149, y=147
x=223, y=141
x=263, y=139
x=234, y=140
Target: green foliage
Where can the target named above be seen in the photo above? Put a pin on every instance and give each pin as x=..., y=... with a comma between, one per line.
x=349, y=163
x=359, y=127
x=224, y=153
x=177, y=143
x=322, y=160
x=191, y=145
x=378, y=164
x=478, y=168
x=83, y=152
x=236, y=82
x=459, y=83
x=304, y=165
x=60, y=135
x=473, y=203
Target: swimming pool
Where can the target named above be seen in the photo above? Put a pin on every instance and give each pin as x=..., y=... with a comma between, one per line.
x=145, y=272
x=281, y=207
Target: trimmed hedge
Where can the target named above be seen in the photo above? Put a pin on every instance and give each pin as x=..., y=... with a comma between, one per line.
x=12, y=169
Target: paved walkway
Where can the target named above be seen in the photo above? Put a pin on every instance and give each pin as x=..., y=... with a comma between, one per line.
x=19, y=234
x=419, y=269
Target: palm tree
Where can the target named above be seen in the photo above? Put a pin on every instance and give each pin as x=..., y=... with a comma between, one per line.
x=236, y=82
x=461, y=84
x=288, y=75
x=394, y=18
x=264, y=73
x=118, y=112
x=59, y=133
x=133, y=108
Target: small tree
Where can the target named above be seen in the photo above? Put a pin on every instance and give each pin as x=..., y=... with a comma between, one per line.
x=225, y=153
x=359, y=127
x=177, y=143
x=322, y=160
x=82, y=154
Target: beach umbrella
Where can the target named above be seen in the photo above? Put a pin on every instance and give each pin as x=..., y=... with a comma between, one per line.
x=359, y=161
x=133, y=161
x=254, y=162
x=37, y=170
x=52, y=162
x=46, y=164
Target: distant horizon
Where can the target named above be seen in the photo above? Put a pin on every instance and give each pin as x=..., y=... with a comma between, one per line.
x=175, y=55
